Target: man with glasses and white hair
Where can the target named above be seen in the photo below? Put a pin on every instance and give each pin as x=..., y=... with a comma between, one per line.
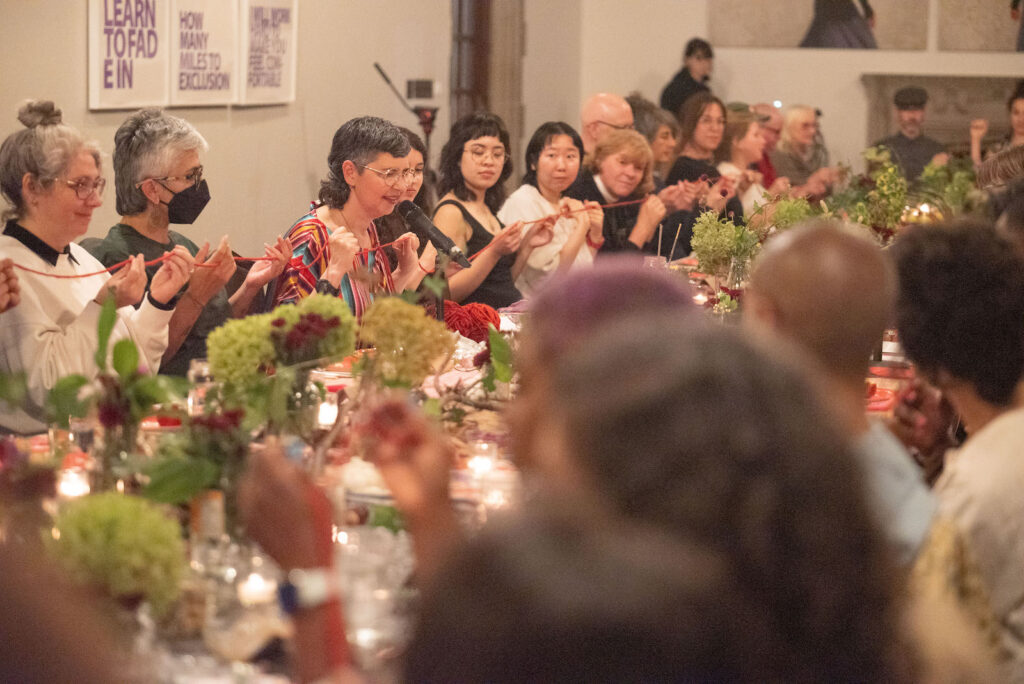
x=159, y=181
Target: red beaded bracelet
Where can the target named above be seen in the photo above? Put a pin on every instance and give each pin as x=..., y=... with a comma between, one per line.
x=595, y=245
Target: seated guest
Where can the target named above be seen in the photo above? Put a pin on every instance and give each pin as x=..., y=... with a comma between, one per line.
x=51, y=178
x=620, y=170
x=661, y=129
x=801, y=156
x=911, y=151
x=9, y=287
x=158, y=176
x=393, y=226
x=335, y=247
x=553, y=158
x=703, y=125
x=960, y=314
x=854, y=289
x=1014, y=138
x=475, y=164
x=601, y=114
x=771, y=130
x=741, y=147
x=691, y=79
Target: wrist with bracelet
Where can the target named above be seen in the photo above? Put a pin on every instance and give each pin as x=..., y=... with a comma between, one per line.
x=594, y=244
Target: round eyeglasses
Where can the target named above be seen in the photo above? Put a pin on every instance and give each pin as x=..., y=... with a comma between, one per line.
x=391, y=176
x=84, y=188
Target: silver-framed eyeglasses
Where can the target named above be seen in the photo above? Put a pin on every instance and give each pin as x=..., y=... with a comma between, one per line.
x=84, y=188
x=195, y=176
x=391, y=176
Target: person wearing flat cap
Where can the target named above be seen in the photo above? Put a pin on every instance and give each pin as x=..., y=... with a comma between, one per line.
x=911, y=150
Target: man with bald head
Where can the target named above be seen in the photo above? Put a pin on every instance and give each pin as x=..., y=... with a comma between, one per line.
x=831, y=292
x=601, y=114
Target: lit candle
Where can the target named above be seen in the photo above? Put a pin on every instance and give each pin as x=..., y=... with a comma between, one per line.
x=328, y=414
x=700, y=299
x=256, y=589
x=73, y=483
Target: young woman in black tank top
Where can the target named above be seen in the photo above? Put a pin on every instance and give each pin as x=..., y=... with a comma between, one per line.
x=474, y=166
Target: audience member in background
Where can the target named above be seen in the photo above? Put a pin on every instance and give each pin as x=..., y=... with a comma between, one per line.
x=661, y=129
x=475, y=164
x=741, y=147
x=620, y=170
x=801, y=155
x=703, y=125
x=158, y=176
x=771, y=131
x=601, y=114
x=335, y=247
x=50, y=177
x=9, y=287
x=691, y=79
x=553, y=158
x=393, y=226
x=692, y=549
x=838, y=24
x=854, y=290
x=911, y=150
x=960, y=314
x=1015, y=138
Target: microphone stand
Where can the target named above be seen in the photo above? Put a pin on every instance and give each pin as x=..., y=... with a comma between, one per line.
x=426, y=116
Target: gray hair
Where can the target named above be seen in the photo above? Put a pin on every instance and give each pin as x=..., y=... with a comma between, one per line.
x=44, y=148
x=145, y=146
x=648, y=118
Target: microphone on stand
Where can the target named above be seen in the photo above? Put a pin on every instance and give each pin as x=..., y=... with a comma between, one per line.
x=425, y=229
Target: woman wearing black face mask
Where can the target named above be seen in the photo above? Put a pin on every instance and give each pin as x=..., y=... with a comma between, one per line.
x=159, y=181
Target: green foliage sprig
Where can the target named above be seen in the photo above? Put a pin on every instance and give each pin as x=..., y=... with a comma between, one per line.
x=717, y=241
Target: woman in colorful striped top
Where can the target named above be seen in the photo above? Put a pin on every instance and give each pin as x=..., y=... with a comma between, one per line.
x=335, y=247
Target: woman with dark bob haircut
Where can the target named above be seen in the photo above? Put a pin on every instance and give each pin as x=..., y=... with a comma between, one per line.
x=336, y=242
x=553, y=158
x=475, y=164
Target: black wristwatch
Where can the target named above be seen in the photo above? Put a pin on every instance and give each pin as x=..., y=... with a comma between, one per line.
x=323, y=286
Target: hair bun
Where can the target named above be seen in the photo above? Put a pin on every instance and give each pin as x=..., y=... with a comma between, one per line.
x=39, y=113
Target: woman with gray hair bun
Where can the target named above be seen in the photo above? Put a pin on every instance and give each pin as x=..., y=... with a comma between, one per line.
x=159, y=181
x=335, y=247
x=51, y=178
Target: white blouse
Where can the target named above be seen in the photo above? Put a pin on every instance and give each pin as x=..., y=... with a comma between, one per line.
x=527, y=204
x=52, y=332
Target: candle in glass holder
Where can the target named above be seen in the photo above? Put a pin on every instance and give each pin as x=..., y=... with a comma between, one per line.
x=484, y=455
x=328, y=411
x=73, y=483
x=256, y=589
x=700, y=299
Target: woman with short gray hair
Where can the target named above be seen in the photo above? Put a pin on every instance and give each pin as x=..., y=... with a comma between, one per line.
x=51, y=178
x=336, y=248
x=159, y=181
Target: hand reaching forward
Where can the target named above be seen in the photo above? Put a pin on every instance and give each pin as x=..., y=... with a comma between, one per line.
x=127, y=285
x=173, y=275
x=262, y=272
x=507, y=241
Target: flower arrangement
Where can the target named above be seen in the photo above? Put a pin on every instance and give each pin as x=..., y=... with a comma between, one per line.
x=722, y=246
x=951, y=186
x=207, y=453
x=877, y=199
x=122, y=545
x=263, y=362
x=407, y=342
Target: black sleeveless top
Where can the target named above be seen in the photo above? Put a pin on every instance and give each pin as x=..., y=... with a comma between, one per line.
x=498, y=289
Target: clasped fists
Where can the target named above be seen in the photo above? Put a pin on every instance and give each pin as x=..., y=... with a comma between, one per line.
x=127, y=285
x=10, y=290
x=507, y=241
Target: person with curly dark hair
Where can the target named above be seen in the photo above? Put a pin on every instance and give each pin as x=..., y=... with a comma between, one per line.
x=335, y=247
x=960, y=314
x=475, y=163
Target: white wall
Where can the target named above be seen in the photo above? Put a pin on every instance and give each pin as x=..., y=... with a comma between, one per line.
x=264, y=163
x=637, y=45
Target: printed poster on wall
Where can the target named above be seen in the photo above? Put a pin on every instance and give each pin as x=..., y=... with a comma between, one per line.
x=203, y=52
x=128, y=51
x=268, y=34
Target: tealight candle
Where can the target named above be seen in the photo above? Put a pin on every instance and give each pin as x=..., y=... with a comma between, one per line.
x=255, y=589
x=700, y=299
x=328, y=414
x=73, y=483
